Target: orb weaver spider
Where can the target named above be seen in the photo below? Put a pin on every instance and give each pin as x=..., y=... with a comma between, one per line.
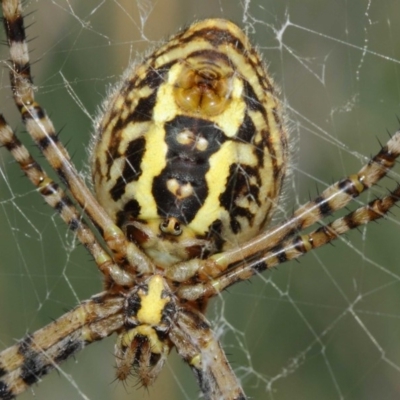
x=188, y=165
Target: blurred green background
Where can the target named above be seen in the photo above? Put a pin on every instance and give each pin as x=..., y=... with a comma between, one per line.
x=325, y=328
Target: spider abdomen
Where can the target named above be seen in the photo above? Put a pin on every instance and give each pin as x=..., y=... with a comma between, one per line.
x=191, y=152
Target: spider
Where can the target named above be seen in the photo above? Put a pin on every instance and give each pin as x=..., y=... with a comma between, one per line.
x=188, y=164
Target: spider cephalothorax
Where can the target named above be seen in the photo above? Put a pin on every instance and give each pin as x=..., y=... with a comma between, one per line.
x=144, y=344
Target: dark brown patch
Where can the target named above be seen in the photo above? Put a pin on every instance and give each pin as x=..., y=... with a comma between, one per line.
x=132, y=168
x=238, y=185
x=15, y=29
x=5, y=392
x=323, y=205
x=131, y=211
x=347, y=186
x=246, y=131
x=252, y=101
x=144, y=110
x=216, y=37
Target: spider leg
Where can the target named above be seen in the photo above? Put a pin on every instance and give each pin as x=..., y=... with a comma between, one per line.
x=333, y=198
x=36, y=355
x=196, y=344
x=293, y=247
x=42, y=132
x=58, y=199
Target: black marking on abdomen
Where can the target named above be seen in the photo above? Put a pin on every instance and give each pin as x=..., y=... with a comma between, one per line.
x=131, y=211
x=252, y=101
x=144, y=109
x=132, y=168
x=214, y=232
x=239, y=186
x=142, y=112
x=247, y=130
x=187, y=165
x=155, y=77
x=216, y=37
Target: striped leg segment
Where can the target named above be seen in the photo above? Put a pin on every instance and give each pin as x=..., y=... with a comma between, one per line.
x=58, y=199
x=197, y=345
x=42, y=132
x=36, y=355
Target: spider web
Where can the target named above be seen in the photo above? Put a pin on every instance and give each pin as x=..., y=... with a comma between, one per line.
x=326, y=327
